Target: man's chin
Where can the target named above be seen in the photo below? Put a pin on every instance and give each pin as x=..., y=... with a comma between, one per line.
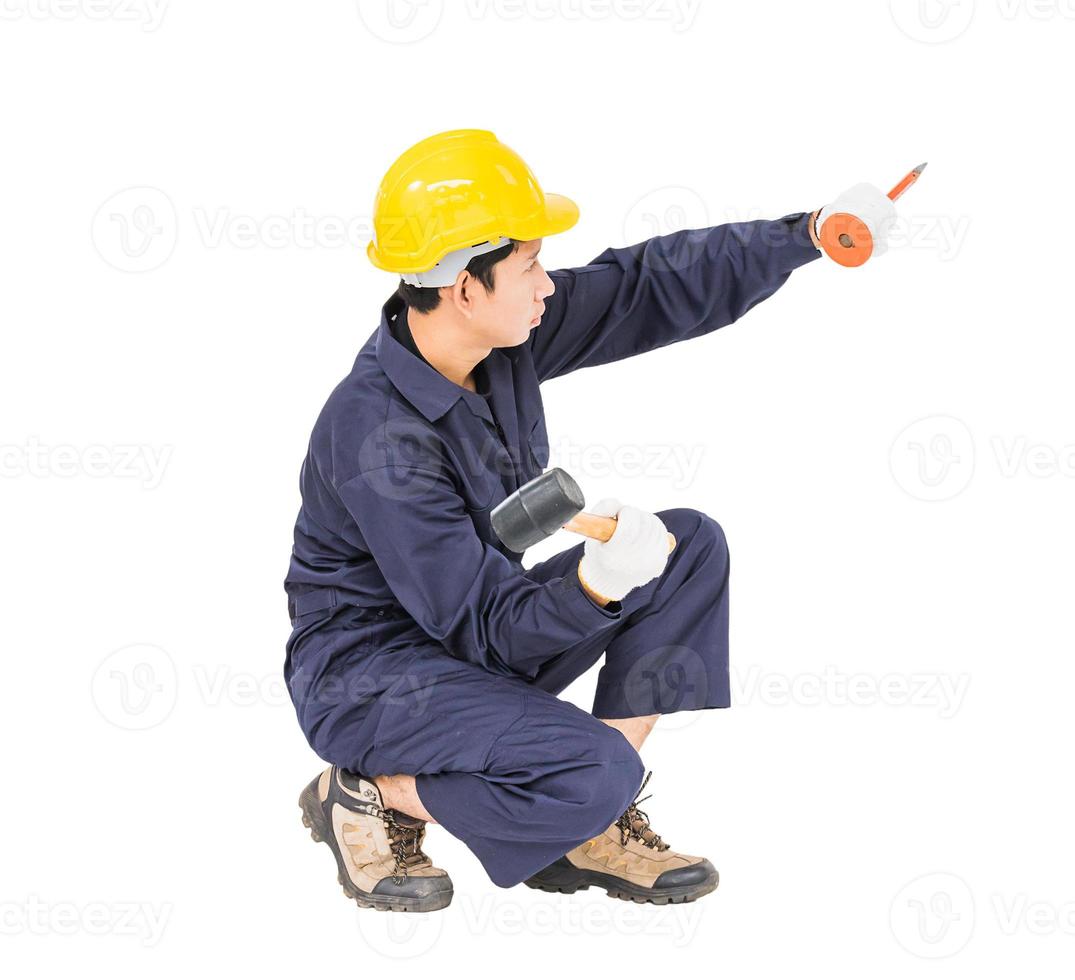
x=520, y=337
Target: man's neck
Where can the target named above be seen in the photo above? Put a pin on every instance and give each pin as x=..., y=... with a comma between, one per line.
x=444, y=344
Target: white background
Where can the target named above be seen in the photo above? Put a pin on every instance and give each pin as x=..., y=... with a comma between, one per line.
x=186, y=198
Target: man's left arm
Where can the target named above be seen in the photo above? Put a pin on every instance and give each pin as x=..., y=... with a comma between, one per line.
x=666, y=289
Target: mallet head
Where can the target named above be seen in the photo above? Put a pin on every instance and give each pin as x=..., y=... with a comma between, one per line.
x=537, y=509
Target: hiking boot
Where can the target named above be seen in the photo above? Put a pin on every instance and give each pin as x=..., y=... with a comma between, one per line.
x=378, y=852
x=630, y=862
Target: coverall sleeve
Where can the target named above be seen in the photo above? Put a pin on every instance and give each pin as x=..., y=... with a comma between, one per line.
x=460, y=590
x=674, y=287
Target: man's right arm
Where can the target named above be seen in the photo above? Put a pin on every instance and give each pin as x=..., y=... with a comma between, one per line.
x=460, y=590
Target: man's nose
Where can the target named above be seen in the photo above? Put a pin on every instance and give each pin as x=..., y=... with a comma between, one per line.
x=547, y=288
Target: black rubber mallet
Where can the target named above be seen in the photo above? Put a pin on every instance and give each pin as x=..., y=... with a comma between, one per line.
x=543, y=506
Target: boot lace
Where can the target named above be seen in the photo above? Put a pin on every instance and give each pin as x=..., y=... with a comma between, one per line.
x=634, y=823
x=405, y=840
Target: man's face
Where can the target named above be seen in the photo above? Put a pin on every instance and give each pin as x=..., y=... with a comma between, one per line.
x=505, y=316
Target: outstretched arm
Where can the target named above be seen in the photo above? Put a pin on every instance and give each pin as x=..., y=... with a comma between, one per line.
x=666, y=289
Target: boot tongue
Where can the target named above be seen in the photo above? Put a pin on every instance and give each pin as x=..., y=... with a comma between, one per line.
x=406, y=841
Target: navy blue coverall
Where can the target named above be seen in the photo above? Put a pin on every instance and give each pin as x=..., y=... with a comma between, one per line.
x=421, y=645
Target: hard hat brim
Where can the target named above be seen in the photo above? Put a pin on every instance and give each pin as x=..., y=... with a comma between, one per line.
x=560, y=214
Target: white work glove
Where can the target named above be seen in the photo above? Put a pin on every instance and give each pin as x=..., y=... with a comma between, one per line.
x=635, y=554
x=872, y=206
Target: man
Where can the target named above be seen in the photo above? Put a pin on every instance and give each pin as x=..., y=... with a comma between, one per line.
x=425, y=661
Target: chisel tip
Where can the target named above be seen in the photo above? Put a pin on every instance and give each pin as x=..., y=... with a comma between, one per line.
x=917, y=170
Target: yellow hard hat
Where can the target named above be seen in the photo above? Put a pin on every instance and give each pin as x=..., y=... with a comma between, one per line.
x=454, y=190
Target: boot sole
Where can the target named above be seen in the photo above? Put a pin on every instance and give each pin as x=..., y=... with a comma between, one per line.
x=564, y=877
x=313, y=818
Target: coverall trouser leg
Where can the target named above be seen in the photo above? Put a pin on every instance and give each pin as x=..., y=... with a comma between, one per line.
x=520, y=776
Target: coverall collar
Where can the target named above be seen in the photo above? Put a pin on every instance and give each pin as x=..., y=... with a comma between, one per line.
x=420, y=383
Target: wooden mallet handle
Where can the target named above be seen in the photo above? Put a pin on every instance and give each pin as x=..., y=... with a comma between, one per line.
x=600, y=528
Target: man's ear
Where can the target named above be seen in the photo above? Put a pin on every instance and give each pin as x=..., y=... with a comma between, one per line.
x=462, y=294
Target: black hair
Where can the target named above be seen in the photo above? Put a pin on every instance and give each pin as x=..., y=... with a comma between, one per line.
x=425, y=299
